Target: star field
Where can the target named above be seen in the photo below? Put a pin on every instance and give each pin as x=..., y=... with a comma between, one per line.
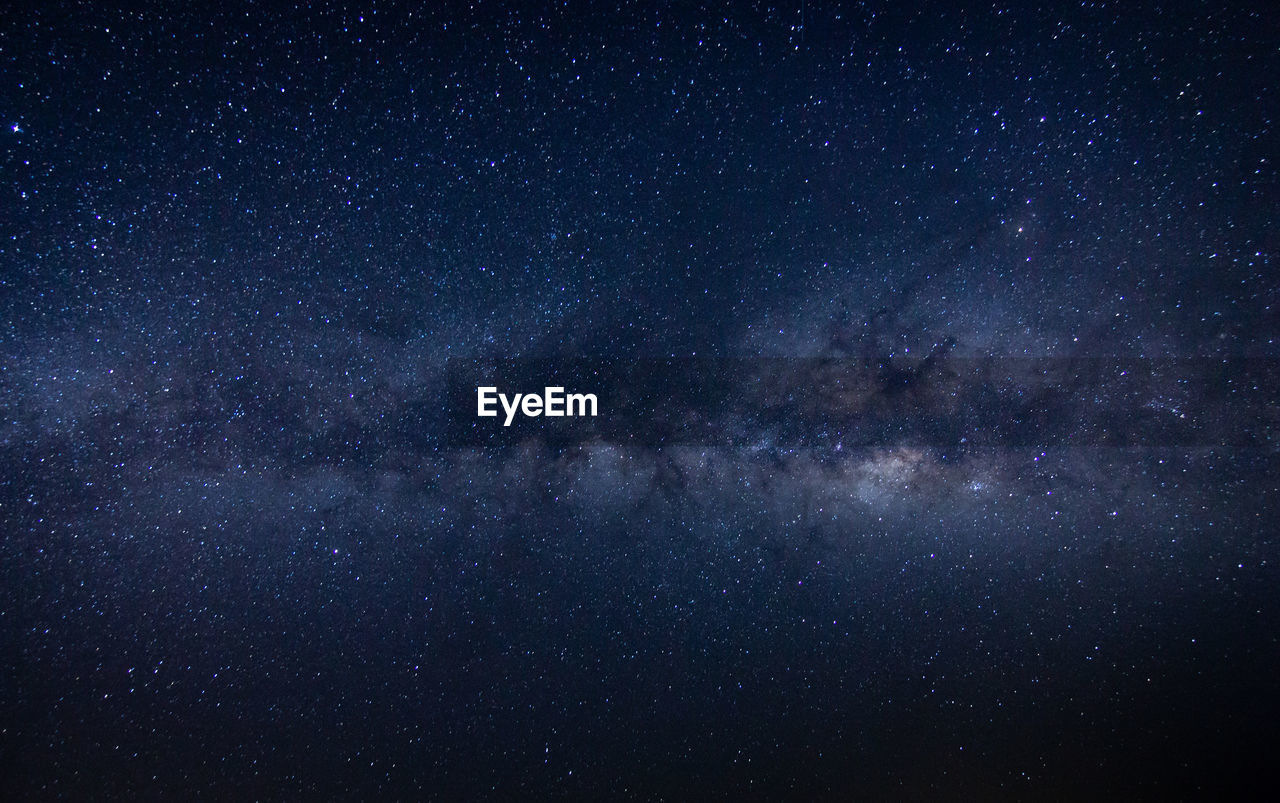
x=880, y=526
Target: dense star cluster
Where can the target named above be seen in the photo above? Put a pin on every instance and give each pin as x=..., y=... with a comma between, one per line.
x=937, y=360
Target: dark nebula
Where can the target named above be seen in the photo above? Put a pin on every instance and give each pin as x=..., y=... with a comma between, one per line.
x=937, y=360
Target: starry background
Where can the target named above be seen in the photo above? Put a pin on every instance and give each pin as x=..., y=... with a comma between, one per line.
x=242, y=244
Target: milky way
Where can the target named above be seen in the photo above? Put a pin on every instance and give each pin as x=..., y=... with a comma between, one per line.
x=936, y=355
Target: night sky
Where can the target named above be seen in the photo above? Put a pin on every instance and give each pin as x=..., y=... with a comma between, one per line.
x=937, y=354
